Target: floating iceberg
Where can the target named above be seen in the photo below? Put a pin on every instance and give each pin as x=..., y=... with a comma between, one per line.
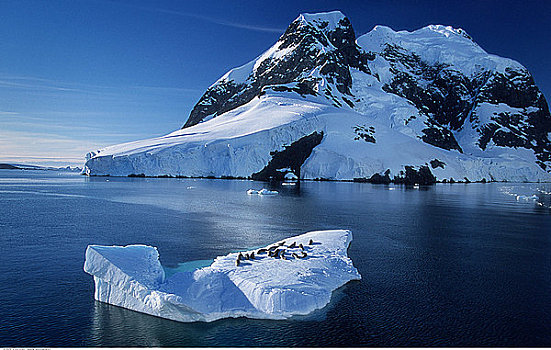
x=527, y=198
x=293, y=277
x=290, y=176
x=262, y=192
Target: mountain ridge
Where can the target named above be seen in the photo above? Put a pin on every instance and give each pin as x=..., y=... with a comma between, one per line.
x=434, y=85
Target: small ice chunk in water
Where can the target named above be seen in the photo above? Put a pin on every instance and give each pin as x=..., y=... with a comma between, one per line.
x=262, y=192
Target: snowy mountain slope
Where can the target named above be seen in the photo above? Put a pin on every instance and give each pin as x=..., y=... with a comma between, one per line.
x=330, y=106
x=314, y=51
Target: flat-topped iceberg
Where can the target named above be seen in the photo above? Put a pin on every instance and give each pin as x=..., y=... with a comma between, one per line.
x=293, y=277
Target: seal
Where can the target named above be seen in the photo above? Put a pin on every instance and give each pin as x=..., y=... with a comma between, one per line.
x=310, y=242
x=237, y=261
x=301, y=246
x=294, y=244
x=261, y=251
x=240, y=256
x=251, y=256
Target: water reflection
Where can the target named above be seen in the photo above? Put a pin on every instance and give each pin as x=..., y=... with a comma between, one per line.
x=111, y=324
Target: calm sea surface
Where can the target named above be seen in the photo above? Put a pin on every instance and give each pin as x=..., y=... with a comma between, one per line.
x=461, y=264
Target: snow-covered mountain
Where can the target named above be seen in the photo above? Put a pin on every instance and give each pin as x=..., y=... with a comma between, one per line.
x=326, y=104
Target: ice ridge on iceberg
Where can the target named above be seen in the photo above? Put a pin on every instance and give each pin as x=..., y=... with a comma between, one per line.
x=292, y=277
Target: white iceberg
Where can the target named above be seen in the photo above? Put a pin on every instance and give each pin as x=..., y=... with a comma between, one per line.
x=290, y=176
x=262, y=192
x=527, y=198
x=265, y=287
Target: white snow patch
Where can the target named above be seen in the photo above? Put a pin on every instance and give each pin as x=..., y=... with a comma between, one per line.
x=438, y=44
x=327, y=21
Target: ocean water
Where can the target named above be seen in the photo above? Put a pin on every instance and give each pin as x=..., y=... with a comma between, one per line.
x=461, y=264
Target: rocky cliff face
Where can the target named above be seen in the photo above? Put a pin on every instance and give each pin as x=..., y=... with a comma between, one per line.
x=450, y=99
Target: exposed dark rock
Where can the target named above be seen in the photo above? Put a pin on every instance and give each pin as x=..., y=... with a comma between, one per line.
x=435, y=163
x=228, y=177
x=8, y=166
x=380, y=179
x=514, y=87
x=341, y=53
x=322, y=179
x=448, y=98
x=423, y=176
x=486, y=134
x=136, y=175
x=529, y=129
x=292, y=156
x=365, y=133
x=303, y=88
x=441, y=137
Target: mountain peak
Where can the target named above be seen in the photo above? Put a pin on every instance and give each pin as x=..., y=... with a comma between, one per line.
x=447, y=31
x=333, y=26
x=326, y=21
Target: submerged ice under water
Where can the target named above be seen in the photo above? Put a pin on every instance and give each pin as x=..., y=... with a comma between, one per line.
x=461, y=264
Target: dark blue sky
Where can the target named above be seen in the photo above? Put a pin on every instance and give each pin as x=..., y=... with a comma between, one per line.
x=76, y=75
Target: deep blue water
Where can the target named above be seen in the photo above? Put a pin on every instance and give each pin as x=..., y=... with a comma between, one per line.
x=461, y=264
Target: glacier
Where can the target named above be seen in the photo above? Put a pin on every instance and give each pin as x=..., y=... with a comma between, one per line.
x=298, y=280
x=239, y=143
x=356, y=107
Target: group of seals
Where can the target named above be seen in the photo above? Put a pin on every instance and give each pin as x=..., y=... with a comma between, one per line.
x=295, y=255
x=240, y=257
x=275, y=251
